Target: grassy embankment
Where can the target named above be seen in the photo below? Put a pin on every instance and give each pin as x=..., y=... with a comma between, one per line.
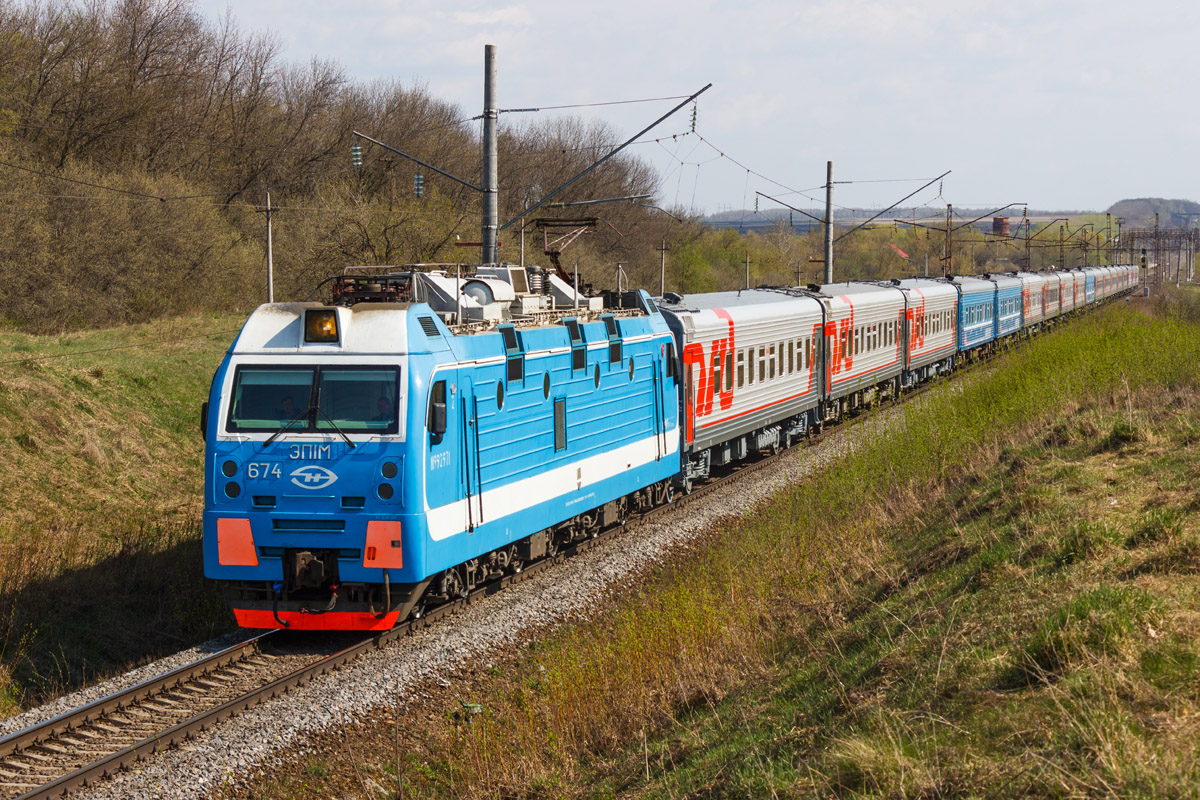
x=996, y=598
x=99, y=525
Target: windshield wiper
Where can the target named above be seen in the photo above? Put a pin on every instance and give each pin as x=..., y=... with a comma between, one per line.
x=333, y=425
x=286, y=426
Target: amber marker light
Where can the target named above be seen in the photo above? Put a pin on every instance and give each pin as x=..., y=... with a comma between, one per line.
x=320, y=325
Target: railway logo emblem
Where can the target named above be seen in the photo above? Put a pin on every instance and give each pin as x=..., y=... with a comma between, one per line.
x=313, y=477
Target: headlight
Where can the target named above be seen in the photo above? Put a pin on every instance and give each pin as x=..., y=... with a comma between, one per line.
x=320, y=325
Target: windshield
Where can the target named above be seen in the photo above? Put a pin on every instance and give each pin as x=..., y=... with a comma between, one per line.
x=362, y=399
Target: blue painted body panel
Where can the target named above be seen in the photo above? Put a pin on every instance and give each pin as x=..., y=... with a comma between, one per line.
x=976, y=313
x=1008, y=308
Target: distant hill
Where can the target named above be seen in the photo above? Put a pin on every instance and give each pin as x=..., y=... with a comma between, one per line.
x=1139, y=212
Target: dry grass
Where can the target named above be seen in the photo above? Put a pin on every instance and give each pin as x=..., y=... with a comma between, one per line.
x=99, y=527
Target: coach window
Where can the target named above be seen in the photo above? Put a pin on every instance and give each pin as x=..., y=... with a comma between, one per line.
x=741, y=368
x=771, y=362
x=791, y=357
x=716, y=373
x=728, y=370
x=762, y=364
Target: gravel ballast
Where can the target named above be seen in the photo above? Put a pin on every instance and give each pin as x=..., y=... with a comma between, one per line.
x=388, y=677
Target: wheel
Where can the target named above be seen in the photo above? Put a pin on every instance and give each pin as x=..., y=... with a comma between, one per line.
x=452, y=585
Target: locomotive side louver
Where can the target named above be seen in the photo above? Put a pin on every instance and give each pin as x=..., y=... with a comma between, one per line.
x=429, y=326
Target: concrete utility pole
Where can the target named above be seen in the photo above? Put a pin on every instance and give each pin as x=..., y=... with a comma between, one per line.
x=491, y=164
x=828, y=226
x=662, y=269
x=270, y=255
x=948, y=260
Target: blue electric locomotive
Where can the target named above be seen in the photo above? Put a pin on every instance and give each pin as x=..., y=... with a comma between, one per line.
x=365, y=459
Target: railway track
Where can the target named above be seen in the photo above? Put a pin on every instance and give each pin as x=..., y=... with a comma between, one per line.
x=92, y=742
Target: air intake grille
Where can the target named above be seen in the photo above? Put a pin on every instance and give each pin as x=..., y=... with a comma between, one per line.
x=429, y=326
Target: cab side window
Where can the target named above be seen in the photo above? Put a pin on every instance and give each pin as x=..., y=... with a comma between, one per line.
x=436, y=418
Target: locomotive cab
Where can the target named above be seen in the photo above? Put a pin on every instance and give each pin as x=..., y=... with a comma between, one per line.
x=308, y=436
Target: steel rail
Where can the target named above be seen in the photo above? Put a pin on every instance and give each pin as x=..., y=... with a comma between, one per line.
x=70, y=720
x=182, y=731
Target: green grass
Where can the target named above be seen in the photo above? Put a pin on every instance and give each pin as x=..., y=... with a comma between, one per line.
x=100, y=527
x=995, y=668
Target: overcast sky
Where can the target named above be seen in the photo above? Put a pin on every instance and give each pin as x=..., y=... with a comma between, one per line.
x=1063, y=104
